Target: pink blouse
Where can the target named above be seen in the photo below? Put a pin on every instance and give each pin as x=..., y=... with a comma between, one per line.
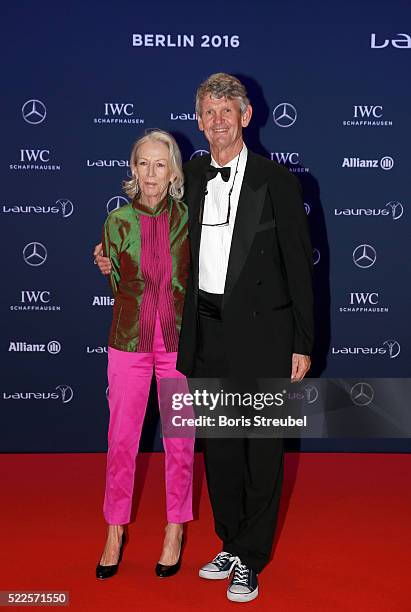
x=156, y=267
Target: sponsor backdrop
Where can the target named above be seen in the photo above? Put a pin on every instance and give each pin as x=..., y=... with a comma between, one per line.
x=81, y=81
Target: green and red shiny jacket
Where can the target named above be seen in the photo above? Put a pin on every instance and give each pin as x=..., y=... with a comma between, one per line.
x=122, y=244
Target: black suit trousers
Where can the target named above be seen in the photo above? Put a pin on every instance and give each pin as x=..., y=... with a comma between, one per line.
x=244, y=475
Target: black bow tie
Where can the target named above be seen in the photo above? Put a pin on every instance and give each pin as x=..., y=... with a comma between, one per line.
x=212, y=171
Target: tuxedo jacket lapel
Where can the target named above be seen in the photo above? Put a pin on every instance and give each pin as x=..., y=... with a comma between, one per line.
x=249, y=210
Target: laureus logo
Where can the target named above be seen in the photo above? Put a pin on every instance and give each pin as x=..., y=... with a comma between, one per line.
x=61, y=392
x=62, y=206
x=66, y=393
x=311, y=394
x=393, y=348
x=396, y=208
x=66, y=207
x=404, y=42
x=393, y=210
x=388, y=348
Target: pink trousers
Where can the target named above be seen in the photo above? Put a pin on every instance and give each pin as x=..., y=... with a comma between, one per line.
x=129, y=377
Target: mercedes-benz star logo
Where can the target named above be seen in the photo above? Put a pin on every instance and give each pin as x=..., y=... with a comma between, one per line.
x=285, y=115
x=66, y=393
x=34, y=254
x=66, y=207
x=362, y=394
x=34, y=111
x=393, y=348
x=115, y=202
x=199, y=153
x=364, y=256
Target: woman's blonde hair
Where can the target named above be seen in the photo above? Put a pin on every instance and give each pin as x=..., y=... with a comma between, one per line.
x=176, y=188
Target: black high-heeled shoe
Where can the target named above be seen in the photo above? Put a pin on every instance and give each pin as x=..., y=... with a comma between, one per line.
x=107, y=571
x=165, y=571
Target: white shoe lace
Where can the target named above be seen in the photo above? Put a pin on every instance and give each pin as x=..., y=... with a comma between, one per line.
x=222, y=558
x=241, y=572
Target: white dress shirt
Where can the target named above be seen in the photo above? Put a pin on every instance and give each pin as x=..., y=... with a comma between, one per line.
x=215, y=242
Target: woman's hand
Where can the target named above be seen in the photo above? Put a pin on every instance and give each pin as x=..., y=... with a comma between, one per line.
x=102, y=262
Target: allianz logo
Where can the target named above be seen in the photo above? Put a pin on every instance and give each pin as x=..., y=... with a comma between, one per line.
x=101, y=350
x=395, y=210
x=53, y=347
x=389, y=348
x=62, y=392
x=102, y=300
x=183, y=116
x=108, y=163
x=385, y=163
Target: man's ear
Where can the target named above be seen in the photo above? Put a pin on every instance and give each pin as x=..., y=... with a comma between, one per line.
x=200, y=123
x=246, y=116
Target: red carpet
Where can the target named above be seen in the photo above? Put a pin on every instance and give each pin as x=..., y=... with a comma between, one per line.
x=343, y=544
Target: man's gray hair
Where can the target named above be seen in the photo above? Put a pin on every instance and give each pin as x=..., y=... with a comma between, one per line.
x=222, y=85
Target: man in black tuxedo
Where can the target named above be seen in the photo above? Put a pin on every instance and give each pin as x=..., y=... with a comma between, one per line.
x=248, y=313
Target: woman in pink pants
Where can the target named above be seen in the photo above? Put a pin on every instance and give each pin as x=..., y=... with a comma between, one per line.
x=147, y=244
